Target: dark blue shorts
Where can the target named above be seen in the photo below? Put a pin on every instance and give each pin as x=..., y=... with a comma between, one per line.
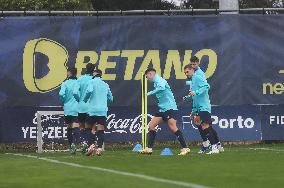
x=167, y=115
x=94, y=120
x=82, y=117
x=205, y=117
x=70, y=119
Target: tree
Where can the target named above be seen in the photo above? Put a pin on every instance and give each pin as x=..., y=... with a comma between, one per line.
x=203, y=4
x=200, y=4
x=85, y=4
x=132, y=5
x=45, y=4
x=260, y=3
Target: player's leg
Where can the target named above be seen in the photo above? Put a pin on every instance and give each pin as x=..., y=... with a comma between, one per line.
x=173, y=127
x=170, y=118
x=155, y=121
x=90, y=135
x=72, y=124
x=92, y=141
x=209, y=131
x=82, y=118
x=76, y=130
x=213, y=140
x=88, y=130
x=75, y=134
x=219, y=145
x=82, y=122
x=100, y=132
x=97, y=131
x=68, y=123
x=205, y=142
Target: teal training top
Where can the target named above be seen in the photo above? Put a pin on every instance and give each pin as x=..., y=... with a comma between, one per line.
x=200, y=72
x=69, y=96
x=188, y=83
x=164, y=94
x=197, y=72
x=99, y=94
x=200, y=101
x=83, y=83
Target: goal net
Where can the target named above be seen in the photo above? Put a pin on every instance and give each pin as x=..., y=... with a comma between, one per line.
x=51, y=131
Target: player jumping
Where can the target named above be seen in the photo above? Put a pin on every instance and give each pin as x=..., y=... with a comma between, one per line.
x=69, y=96
x=167, y=110
x=83, y=106
x=99, y=94
x=201, y=110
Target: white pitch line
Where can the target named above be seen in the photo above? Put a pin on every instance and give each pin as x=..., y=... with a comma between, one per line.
x=267, y=149
x=123, y=173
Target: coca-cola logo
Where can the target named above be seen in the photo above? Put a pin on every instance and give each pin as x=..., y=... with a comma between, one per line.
x=119, y=125
x=115, y=124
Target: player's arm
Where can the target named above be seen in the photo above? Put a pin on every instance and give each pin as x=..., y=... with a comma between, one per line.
x=194, y=110
x=160, y=86
x=88, y=92
x=109, y=95
x=76, y=92
x=188, y=83
x=186, y=98
x=62, y=92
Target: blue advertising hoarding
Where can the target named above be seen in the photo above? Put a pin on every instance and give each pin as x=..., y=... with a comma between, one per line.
x=238, y=123
x=243, y=62
x=241, y=59
x=272, y=121
x=233, y=123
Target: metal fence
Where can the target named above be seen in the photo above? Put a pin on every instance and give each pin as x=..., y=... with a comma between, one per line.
x=173, y=12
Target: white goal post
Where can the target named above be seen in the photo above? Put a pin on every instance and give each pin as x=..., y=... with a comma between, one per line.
x=40, y=141
x=39, y=115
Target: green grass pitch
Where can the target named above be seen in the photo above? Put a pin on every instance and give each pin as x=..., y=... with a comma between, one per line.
x=239, y=166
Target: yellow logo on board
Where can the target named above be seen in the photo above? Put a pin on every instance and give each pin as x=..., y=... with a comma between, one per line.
x=273, y=88
x=58, y=56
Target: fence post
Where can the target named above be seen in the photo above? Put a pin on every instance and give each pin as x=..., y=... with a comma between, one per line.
x=229, y=7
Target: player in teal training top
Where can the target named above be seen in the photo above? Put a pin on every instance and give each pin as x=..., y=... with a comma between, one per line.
x=167, y=112
x=99, y=95
x=85, y=130
x=69, y=96
x=194, y=62
x=201, y=110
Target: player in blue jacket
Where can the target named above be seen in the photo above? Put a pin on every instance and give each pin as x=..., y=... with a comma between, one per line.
x=167, y=112
x=69, y=96
x=201, y=110
x=83, y=106
x=99, y=95
x=194, y=62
